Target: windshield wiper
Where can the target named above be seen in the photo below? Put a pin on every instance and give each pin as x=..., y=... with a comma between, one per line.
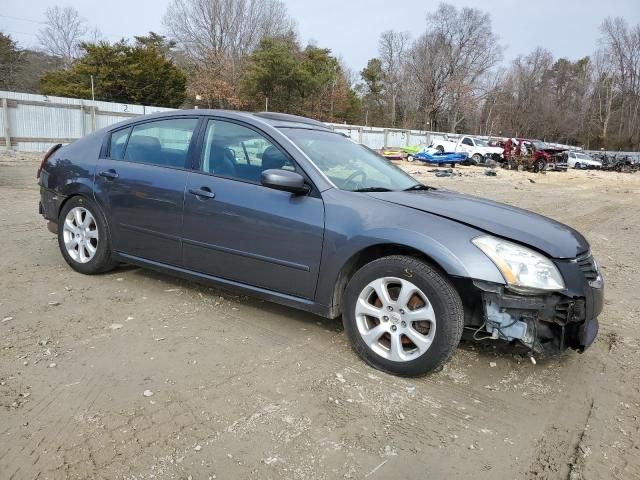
x=417, y=186
x=372, y=189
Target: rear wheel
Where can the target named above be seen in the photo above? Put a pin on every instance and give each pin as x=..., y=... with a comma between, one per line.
x=402, y=316
x=477, y=159
x=83, y=237
x=577, y=166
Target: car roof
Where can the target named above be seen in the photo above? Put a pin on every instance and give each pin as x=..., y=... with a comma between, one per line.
x=274, y=119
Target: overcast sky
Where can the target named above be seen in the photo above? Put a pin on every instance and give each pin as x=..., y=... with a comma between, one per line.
x=351, y=28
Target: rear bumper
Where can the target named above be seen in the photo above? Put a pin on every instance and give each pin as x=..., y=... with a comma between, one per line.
x=48, y=207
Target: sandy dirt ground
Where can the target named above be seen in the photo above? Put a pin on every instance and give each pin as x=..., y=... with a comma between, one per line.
x=246, y=389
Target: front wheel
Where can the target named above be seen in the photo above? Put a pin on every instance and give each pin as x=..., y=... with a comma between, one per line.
x=83, y=237
x=410, y=158
x=539, y=166
x=402, y=316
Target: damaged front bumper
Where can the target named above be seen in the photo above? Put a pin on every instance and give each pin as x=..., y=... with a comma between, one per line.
x=546, y=323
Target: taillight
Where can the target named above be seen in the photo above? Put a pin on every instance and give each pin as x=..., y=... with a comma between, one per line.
x=50, y=152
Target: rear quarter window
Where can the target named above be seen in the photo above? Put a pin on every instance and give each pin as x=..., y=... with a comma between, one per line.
x=118, y=142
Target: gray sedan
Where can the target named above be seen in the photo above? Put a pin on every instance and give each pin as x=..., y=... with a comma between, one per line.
x=284, y=208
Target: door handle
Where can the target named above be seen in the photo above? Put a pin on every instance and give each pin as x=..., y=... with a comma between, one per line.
x=109, y=174
x=204, y=192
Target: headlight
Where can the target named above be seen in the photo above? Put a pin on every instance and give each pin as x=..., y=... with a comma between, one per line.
x=521, y=267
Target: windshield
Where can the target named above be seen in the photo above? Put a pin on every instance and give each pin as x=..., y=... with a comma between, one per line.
x=582, y=156
x=481, y=143
x=349, y=165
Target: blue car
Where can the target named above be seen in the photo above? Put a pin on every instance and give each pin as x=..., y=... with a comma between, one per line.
x=284, y=208
x=438, y=157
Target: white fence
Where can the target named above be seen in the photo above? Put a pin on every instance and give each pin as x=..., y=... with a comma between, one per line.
x=376, y=137
x=32, y=123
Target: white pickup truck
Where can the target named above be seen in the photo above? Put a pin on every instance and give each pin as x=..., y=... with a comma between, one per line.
x=476, y=149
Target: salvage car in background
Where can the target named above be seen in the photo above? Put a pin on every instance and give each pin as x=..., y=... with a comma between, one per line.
x=310, y=219
x=582, y=160
x=433, y=156
x=477, y=150
x=535, y=155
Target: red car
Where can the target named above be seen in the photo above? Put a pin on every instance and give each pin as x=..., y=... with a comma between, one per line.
x=534, y=155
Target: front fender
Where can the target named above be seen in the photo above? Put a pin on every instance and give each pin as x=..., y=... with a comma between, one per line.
x=369, y=222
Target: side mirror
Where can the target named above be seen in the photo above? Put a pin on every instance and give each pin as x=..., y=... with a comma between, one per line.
x=284, y=180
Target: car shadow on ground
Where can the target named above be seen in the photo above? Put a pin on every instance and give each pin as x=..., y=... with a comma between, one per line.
x=487, y=350
x=228, y=293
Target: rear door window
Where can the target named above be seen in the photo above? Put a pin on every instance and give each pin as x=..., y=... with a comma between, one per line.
x=163, y=142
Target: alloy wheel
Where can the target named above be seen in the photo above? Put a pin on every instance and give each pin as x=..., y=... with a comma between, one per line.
x=80, y=234
x=395, y=319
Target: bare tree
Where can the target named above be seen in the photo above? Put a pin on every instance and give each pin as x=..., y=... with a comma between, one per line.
x=488, y=115
x=603, y=92
x=62, y=33
x=524, y=96
x=471, y=49
x=449, y=78
x=213, y=82
x=448, y=61
x=229, y=27
x=95, y=35
x=429, y=71
x=621, y=44
x=392, y=49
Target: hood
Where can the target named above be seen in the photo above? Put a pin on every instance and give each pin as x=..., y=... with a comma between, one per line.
x=544, y=234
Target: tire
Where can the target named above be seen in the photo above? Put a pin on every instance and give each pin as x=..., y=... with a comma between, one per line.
x=410, y=158
x=440, y=148
x=539, y=166
x=84, y=240
x=435, y=298
x=477, y=159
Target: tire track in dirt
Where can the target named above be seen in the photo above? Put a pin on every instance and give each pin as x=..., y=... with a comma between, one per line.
x=64, y=404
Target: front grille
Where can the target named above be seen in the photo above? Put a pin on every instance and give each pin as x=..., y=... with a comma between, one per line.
x=588, y=266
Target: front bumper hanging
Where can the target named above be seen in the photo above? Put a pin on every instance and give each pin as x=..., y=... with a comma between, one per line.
x=547, y=323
